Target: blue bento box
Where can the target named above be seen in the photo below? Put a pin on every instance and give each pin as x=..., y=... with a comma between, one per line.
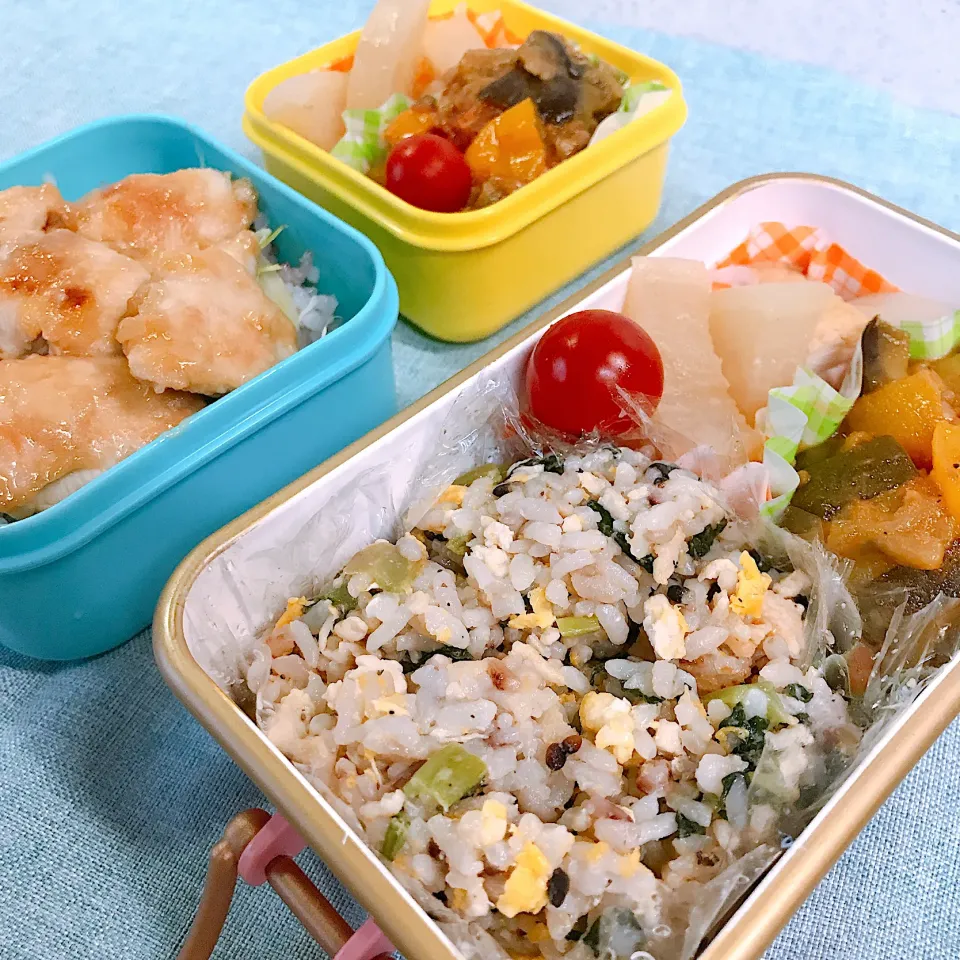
x=84, y=576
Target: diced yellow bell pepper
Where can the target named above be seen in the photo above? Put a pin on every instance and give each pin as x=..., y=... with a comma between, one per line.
x=907, y=410
x=510, y=147
x=410, y=123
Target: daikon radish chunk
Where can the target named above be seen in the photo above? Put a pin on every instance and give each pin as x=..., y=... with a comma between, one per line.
x=762, y=334
x=670, y=299
x=446, y=41
x=896, y=308
x=312, y=105
x=386, y=58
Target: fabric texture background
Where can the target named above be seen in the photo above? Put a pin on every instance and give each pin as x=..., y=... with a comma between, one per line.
x=111, y=794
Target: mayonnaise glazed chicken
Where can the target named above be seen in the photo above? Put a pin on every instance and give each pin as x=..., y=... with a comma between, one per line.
x=573, y=699
x=123, y=313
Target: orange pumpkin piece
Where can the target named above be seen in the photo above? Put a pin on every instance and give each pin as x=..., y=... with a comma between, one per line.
x=410, y=123
x=907, y=410
x=510, y=147
x=850, y=533
x=946, y=464
x=909, y=525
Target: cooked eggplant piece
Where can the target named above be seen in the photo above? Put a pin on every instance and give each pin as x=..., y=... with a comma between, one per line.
x=908, y=526
x=509, y=90
x=557, y=100
x=545, y=56
x=886, y=354
x=602, y=91
x=813, y=455
x=562, y=84
x=862, y=472
x=802, y=524
x=920, y=587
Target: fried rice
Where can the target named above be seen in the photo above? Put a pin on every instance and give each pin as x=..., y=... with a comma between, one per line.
x=561, y=705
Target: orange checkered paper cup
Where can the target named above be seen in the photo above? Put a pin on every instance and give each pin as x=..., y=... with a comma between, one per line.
x=806, y=250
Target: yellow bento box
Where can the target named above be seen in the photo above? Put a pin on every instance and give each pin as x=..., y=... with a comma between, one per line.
x=462, y=276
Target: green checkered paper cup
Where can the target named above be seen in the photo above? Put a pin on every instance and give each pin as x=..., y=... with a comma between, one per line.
x=364, y=145
x=933, y=340
x=810, y=410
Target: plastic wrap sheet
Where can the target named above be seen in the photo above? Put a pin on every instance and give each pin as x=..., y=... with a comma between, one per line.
x=482, y=426
x=234, y=605
x=240, y=593
x=700, y=914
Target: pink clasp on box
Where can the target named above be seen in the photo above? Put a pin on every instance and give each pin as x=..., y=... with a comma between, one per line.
x=278, y=839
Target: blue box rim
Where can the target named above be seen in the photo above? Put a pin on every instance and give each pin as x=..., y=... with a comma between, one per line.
x=141, y=477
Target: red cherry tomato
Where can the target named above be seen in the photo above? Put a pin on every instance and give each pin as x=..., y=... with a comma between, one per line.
x=578, y=363
x=429, y=172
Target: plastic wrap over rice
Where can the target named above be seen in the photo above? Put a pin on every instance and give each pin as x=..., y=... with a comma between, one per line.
x=564, y=708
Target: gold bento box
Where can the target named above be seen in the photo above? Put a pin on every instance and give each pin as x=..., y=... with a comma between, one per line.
x=189, y=622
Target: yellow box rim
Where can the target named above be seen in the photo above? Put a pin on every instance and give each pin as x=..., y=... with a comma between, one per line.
x=457, y=232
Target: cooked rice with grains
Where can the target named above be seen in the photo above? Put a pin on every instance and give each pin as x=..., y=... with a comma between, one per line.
x=570, y=696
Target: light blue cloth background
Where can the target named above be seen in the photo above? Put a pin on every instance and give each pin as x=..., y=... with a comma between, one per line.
x=110, y=794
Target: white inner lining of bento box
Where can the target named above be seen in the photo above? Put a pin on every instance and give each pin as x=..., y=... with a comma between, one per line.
x=309, y=537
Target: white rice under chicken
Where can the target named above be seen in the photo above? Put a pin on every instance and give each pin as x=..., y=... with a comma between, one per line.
x=558, y=706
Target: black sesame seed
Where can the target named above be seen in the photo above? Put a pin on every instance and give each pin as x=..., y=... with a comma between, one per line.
x=675, y=593
x=557, y=887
